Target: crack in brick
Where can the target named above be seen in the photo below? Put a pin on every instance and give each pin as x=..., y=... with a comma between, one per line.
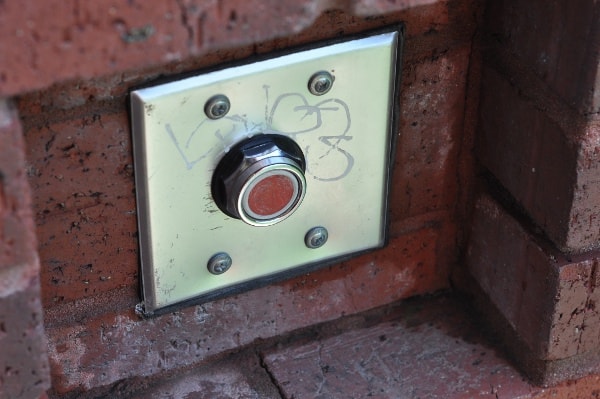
x=590, y=306
x=593, y=277
x=185, y=21
x=274, y=380
x=322, y=369
x=360, y=368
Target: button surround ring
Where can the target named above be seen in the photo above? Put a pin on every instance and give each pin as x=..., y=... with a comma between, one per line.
x=248, y=163
x=287, y=170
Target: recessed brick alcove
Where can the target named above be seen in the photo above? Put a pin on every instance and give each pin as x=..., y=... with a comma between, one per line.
x=495, y=191
x=534, y=243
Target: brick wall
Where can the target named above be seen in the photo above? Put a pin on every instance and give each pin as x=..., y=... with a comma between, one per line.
x=532, y=255
x=531, y=243
x=536, y=227
x=69, y=76
x=23, y=361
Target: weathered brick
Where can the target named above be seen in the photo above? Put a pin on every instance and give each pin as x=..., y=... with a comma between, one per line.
x=432, y=108
x=81, y=172
x=96, y=351
x=429, y=347
x=87, y=40
x=238, y=377
x=426, y=346
x=24, y=371
x=586, y=387
x=584, y=218
x=590, y=334
x=444, y=22
x=84, y=40
x=429, y=350
x=87, y=226
x=17, y=233
x=552, y=173
x=560, y=41
x=23, y=359
x=574, y=289
x=80, y=168
x=544, y=295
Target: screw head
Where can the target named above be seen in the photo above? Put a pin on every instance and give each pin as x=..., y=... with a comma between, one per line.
x=316, y=237
x=219, y=263
x=217, y=106
x=320, y=83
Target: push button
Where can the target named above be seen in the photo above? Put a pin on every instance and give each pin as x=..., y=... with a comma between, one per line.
x=260, y=180
x=271, y=195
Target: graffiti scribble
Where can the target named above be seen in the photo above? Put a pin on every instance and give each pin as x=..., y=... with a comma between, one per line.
x=321, y=129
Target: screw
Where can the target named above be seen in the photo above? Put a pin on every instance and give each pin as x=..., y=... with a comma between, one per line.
x=316, y=237
x=217, y=106
x=219, y=263
x=320, y=83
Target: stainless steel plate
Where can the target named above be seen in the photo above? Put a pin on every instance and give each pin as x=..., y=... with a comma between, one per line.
x=346, y=137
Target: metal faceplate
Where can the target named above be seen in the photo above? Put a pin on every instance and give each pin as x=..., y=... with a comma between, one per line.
x=345, y=135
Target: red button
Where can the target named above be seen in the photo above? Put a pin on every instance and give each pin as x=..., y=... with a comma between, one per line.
x=272, y=195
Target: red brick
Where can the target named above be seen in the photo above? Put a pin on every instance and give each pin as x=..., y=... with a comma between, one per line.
x=17, y=238
x=586, y=387
x=543, y=295
x=237, y=377
x=87, y=40
x=584, y=218
x=96, y=351
x=432, y=108
x=559, y=41
x=551, y=173
x=553, y=304
x=81, y=172
x=23, y=359
x=428, y=341
x=80, y=168
x=84, y=40
x=499, y=272
x=430, y=350
x=590, y=334
x=87, y=226
x=24, y=370
x=447, y=20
